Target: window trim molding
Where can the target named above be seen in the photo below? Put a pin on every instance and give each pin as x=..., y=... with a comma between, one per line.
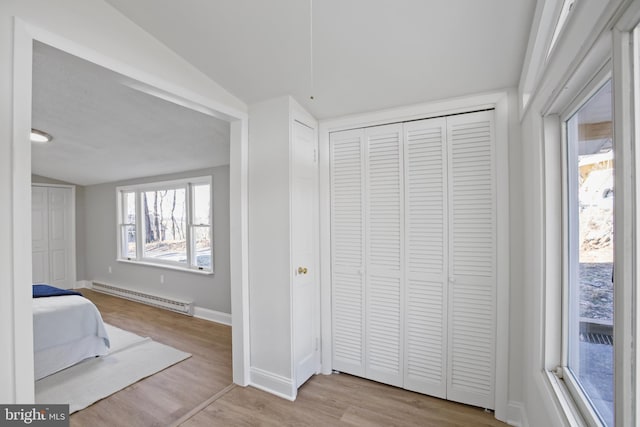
x=567, y=382
x=621, y=60
x=137, y=189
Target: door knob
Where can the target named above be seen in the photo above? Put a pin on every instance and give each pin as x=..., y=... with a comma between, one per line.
x=302, y=270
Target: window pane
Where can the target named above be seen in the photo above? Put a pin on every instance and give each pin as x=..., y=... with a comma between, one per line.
x=201, y=204
x=165, y=225
x=202, y=247
x=128, y=241
x=590, y=195
x=129, y=208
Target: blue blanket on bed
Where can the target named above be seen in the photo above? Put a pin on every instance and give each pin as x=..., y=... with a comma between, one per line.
x=42, y=290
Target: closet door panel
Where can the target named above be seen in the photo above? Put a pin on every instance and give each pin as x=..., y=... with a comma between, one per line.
x=60, y=237
x=347, y=250
x=40, y=234
x=384, y=254
x=472, y=254
x=426, y=256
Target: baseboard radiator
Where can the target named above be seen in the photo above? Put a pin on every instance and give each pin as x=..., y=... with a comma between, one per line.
x=179, y=306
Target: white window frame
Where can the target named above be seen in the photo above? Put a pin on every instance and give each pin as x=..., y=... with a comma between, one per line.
x=570, y=232
x=616, y=53
x=187, y=184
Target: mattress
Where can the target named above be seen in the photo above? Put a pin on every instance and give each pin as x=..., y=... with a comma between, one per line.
x=66, y=330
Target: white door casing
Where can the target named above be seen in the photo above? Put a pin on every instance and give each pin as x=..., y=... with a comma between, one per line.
x=305, y=283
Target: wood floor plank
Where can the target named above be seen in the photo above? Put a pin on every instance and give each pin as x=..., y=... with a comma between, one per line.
x=339, y=400
x=173, y=395
x=165, y=397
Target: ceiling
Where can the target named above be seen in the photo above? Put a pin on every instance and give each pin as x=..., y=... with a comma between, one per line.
x=105, y=130
x=367, y=55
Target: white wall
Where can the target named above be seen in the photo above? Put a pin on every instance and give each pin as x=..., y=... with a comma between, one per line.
x=93, y=30
x=515, y=256
x=269, y=231
x=207, y=291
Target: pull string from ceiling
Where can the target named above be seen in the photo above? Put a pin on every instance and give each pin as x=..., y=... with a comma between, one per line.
x=311, y=79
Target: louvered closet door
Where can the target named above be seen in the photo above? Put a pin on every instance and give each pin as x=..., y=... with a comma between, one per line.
x=347, y=250
x=384, y=254
x=426, y=261
x=472, y=259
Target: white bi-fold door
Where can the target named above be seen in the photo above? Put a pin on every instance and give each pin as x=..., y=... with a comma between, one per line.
x=52, y=223
x=413, y=255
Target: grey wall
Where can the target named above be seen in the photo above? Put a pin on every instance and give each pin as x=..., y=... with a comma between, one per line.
x=207, y=291
x=80, y=222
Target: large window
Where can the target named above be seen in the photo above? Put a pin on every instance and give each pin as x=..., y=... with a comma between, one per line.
x=589, y=305
x=167, y=224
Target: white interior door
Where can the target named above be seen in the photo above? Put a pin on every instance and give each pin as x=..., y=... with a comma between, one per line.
x=426, y=257
x=304, y=237
x=472, y=259
x=413, y=235
x=384, y=225
x=40, y=234
x=347, y=250
x=53, y=236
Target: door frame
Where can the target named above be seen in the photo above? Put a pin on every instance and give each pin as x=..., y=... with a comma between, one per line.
x=24, y=34
x=74, y=266
x=502, y=102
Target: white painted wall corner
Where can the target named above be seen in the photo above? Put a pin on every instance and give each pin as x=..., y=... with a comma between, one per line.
x=273, y=383
x=212, y=315
x=516, y=414
x=83, y=284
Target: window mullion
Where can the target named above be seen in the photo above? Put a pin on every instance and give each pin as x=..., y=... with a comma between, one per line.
x=140, y=221
x=189, y=231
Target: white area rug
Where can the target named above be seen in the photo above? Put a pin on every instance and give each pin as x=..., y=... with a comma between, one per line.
x=131, y=358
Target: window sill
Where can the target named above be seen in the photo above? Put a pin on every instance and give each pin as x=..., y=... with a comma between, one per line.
x=167, y=267
x=568, y=405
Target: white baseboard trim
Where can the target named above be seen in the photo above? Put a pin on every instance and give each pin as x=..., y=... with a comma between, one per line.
x=273, y=383
x=83, y=284
x=516, y=415
x=212, y=315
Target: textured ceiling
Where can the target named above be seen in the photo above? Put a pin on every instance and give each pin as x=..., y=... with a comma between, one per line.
x=105, y=130
x=367, y=54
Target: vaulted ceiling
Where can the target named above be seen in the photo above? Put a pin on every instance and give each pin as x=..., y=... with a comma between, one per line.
x=367, y=54
x=352, y=56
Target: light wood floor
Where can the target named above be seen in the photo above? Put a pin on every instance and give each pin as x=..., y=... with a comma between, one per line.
x=170, y=394
x=338, y=400
x=198, y=391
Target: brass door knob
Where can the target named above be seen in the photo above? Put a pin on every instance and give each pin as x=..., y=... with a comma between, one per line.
x=302, y=270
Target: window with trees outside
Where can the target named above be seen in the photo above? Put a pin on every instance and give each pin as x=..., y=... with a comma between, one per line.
x=167, y=224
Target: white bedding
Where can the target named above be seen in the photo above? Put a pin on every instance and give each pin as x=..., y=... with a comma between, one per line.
x=66, y=330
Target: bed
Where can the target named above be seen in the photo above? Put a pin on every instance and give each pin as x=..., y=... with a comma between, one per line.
x=67, y=328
